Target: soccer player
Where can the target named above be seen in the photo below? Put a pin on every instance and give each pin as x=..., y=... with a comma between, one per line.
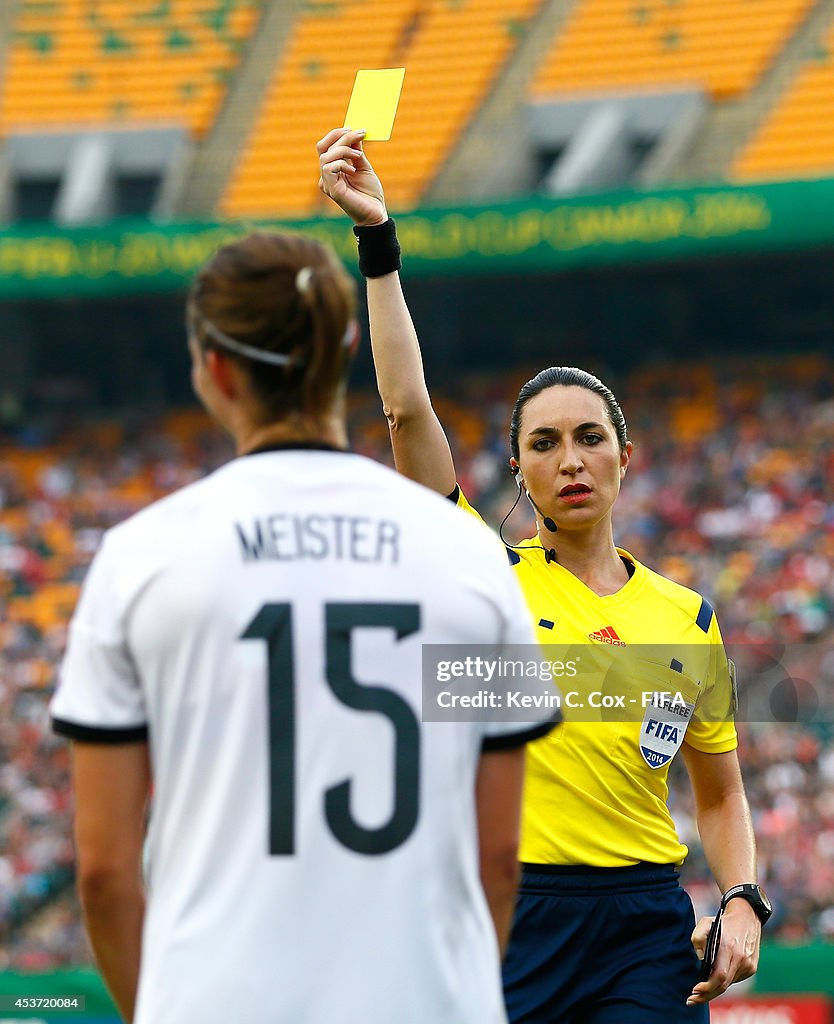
x=249, y=648
x=603, y=933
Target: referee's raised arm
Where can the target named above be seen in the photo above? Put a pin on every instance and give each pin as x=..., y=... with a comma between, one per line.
x=421, y=449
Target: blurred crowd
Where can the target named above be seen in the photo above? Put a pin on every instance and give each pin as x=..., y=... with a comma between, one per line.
x=731, y=492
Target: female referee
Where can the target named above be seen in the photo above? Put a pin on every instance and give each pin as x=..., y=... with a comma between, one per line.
x=603, y=933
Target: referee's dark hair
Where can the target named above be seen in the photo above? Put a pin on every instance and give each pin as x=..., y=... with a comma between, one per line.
x=281, y=294
x=567, y=376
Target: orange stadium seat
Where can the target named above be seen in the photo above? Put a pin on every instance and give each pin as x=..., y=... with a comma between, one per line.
x=797, y=138
x=307, y=95
x=52, y=605
x=28, y=465
x=722, y=47
x=76, y=64
x=452, y=52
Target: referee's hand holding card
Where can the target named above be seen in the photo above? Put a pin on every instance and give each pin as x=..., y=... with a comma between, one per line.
x=346, y=173
x=728, y=944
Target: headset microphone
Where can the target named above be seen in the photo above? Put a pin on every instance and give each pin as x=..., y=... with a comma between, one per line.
x=549, y=553
x=546, y=520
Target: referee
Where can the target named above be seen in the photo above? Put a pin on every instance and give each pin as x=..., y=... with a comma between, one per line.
x=603, y=932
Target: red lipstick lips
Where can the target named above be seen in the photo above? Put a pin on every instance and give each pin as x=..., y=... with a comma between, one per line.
x=573, y=494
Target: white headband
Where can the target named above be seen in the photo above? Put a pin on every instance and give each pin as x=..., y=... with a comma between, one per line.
x=259, y=354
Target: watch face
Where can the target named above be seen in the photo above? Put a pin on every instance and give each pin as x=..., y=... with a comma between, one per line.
x=765, y=900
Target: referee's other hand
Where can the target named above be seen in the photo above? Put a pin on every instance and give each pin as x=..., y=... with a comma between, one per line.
x=738, y=954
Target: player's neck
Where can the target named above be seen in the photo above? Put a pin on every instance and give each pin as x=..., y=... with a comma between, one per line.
x=328, y=430
x=591, y=556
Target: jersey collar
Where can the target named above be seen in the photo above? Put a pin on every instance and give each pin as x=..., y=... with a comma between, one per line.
x=636, y=572
x=284, y=446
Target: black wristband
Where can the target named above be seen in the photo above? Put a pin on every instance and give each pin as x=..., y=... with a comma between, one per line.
x=379, y=250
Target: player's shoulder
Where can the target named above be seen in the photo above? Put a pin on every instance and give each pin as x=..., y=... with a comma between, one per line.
x=165, y=515
x=455, y=510
x=454, y=531
x=432, y=519
x=694, y=605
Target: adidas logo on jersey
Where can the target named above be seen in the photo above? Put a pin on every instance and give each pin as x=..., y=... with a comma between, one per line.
x=607, y=635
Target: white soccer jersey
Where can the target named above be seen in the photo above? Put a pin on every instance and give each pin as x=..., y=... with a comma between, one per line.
x=312, y=849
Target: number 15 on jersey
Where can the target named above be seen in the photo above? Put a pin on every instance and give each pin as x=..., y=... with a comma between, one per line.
x=274, y=624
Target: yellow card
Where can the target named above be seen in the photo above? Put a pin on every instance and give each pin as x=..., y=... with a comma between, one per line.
x=373, y=102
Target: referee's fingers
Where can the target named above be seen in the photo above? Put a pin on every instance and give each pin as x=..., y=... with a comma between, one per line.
x=738, y=954
x=702, y=993
x=742, y=964
x=339, y=153
x=699, y=935
x=745, y=969
x=718, y=981
x=731, y=965
x=332, y=136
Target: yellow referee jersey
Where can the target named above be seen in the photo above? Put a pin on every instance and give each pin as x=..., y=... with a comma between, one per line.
x=596, y=791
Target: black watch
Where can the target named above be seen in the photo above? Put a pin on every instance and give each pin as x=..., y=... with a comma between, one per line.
x=755, y=896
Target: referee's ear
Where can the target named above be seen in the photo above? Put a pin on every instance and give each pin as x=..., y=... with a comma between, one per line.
x=625, y=458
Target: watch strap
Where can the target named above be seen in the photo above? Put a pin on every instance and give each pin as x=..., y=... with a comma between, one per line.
x=751, y=892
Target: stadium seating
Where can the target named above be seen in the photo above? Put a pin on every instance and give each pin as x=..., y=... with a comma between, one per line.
x=723, y=48
x=452, y=51
x=307, y=95
x=75, y=64
x=797, y=139
x=709, y=503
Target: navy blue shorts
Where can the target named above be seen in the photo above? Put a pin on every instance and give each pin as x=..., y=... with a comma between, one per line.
x=602, y=946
